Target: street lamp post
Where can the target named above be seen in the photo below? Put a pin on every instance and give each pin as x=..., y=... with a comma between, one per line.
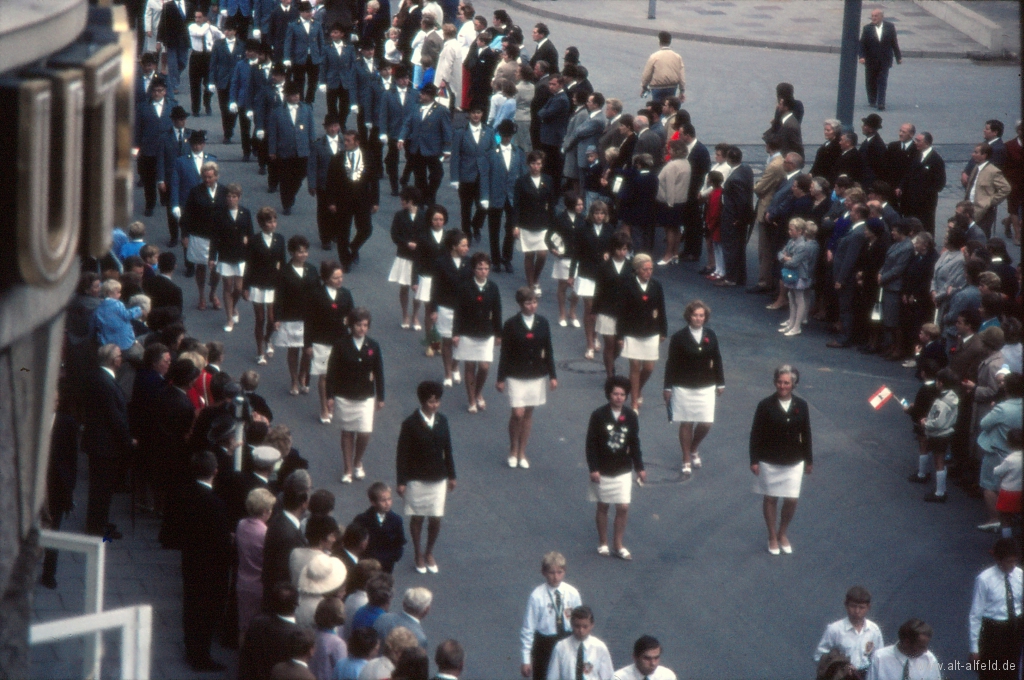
x=652, y=6
x=848, y=63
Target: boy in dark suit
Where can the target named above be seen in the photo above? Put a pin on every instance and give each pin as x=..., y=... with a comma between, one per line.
x=385, y=527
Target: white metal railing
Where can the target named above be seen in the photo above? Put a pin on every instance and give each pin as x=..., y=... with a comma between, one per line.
x=135, y=623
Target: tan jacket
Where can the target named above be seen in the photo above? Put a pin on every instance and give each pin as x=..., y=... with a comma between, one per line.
x=663, y=69
x=992, y=190
x=769, y=182
x=674, y=182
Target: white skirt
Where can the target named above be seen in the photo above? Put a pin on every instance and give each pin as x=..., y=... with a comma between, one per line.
x=560, y=268
x=532, y=241
x=321, y=354
x=423, y=288
x=229, y=269
x=616, y=490
x=354, y=415
x=605, y=325
x=198, y=250
x=641, y=349
x=290, y=334
x=693, y=404
x=445, y=319
x=425, y=499
x=527, y=391
x=401, y=272
x=584, y=287
x=780, y=481
x=261, y=296
x=474, y=349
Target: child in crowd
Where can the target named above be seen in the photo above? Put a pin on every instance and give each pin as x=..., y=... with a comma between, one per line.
x=547, y=616
x=330, y=649
x=938, y=429
x=597, y=661
x=715, y=268
x=136, y=241
x=392, y=51
x=926, y=396
x=592, y=174
x=855, y=635
x=384, y=526
x=931, y=347
x=1009, y=472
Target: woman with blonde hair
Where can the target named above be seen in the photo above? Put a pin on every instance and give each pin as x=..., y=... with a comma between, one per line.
x=641, y=324
x=249, y=537
x=398, y=640
x=798, y=259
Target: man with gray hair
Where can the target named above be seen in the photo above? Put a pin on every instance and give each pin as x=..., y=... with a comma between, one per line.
x=415, y=606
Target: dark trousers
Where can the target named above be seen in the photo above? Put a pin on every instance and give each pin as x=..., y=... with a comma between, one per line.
x=348, y=247
x=245, y=126
x=1000, y=643
x=104, y=475
x=391, y=163
x=262, y=150
x=146, y=165
x=960, y=443
x=469, y=195
x=428, y=173
x=504, y=255
x=198, y=80
x=540, y=655
x=306, y=73
x=847, y=296
x=734, y=249
x=290, y=173
x=643, y=238
x=876, y=78
x=693, y=229
x=337, y=103
x=203, y=595
x=227, y=119
x=553, y=163
x=324, y=218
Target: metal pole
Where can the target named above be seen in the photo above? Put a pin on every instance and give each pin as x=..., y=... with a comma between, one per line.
x=848, y=63
x=652, y=5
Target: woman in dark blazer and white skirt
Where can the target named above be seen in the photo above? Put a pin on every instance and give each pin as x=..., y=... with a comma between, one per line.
x=610, y=277
x=429, y=248
x=560, y=241
x=355, y=383
x=589, y=251
x=476, y=328
x=264, y=260
x=526, y=368
x=780, y=454
x=533, y=216
x=641, y=324
x=451, y=270
x=296, y=286
x=425, y=471
x=406, y=227
x=326, y=324
x=693, y=378
x=232, y=229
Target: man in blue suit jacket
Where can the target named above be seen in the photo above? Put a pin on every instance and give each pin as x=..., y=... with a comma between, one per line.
x=320, y=157
x=700, y=164
x=337, y=77
x=269, y=97
x=289, y=140
x=152, y=120
x=428, y=135
x=878, y=46
x=283, y=14
x=368, y=89
x=471, y=170
x=261, y=11
x=148, y=64
x=397, y=106
x=240, y=13
x=304, y=49
x=246, y=80
x=506, y=164
x=227, y=53
x=175, y=145
x=554, y=120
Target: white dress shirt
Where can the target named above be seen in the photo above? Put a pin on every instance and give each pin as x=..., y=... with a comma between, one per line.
x=203, y=37
x=332, y=142
x=506, y=155
x=878, y=32
x=429, y=420
x=631, y=672
x=293, y=111
x=540, y=614
x=974, y=184
x=989, y=600
x=158, y=106
x=267, y=238
x=889, y=662
x=292, y=518
x=854, y=643
x=475, y=130
x=596, y=658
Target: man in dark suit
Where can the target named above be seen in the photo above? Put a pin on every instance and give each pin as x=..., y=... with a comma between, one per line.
x=471, y=147
x=398, y=105
x=265, y=642
x=479, y=65
x=172, y=35
x=163, y=292
x=546, y=51
x=844, y=268
x=428, y=135
x=235, y=493
x=786, y=132
x=178, y=415
x=611, y=135
x=246, y=80
x=147, y=64
x=873, y=149
x=648, y=141
x=283, y=536
x=353, y=193
x=325, y=148
x=106, y=440
x=850, y=162
x=993, y=136
x=152, y=123
x=554, y=121
x=269, y=97
x=226, y=54
x=450, y=659
x=304, y=49
x=926, y=177
x=183, y=177
x=737, y=214
x=507, y=164
x=176, y=144
x=290, y=136
x=284, y=14
x=899, y=156
x=337, y=78
x=197, y=524
x=700, y=164
x=541, y=94
x=878, y=46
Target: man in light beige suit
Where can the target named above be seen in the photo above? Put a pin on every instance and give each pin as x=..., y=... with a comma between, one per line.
x=986, y=188
x=765, y=187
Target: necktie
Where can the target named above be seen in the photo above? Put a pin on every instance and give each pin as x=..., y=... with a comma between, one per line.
x=906, y=670
x=559, y=618
x=579, y=664
x=1011, y=609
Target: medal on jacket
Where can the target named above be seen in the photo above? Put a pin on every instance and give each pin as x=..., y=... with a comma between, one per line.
x=655, y=313
x=542, y=353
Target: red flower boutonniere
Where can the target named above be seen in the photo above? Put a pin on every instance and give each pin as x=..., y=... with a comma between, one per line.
x=369, y=352
x=479, y=298
x=529, y=336
x=622, y=419
x=706, y=341
x=795, y=410
x=645, y=298
x=334, y=305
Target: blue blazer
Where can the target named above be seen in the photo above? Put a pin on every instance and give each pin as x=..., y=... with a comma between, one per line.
x=554, y=119
x=171, y=152
x=368, y=88
x=149, y=130
x=392, y=115
x=336, y=70
x=141, y=90
x=246, y=81
x=278, y=28
x=430, y=136
x=287, y=140
x=261, y=10
x=298, y=45
x=267, y=101
x=319, y=159
x=500, y=189
x=223, y=62
x=185, y=176
x=469, y=159
x=237, y=7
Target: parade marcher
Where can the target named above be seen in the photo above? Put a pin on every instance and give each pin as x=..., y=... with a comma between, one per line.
x=996, y=613
x=546, y=621
x=451, y=270
x=320, y=156
x=428, y=136
x=507, y=164
x=560, y=240
x=264, y=261
x=290, y=138
x=641, y=324
x=407, y=227
x=229, y=242
x=184, y=172
x=471, y=168
x=589, y=251
x=909, y=657
x=858, y=637
x=204, y=203
x=353, y=194
x=580, y=656
x=611, y=276
x=325, y=325
x=476, y=328
x=878, y=47
x=646, y=662
x=534, y=210
x=295, y=288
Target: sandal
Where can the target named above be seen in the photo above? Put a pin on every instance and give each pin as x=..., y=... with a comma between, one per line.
x=696, y=461
x=624, y=554
x=687, y=470
x=603, y=551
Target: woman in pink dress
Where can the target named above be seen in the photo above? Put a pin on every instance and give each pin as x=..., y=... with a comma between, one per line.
x=249, y=538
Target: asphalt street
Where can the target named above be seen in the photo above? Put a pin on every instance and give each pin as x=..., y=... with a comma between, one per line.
x=701, y=579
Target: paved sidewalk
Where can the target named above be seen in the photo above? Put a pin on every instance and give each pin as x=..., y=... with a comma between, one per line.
x=799, y=25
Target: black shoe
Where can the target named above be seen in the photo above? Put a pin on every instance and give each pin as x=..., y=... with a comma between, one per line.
x=881, y=107
x=272, y=189
x=149, y=212
x=915, y=479
x=262, y=170
x=206, y=665
x=172, y=243
x=509, y=269
x=245, y=158
x=110, y=533
x=755, y=290
x=867, y=349
x=326, y=245
x=287, y=210
x=48, y=581
x=935, y=498
x=355, y=257
x=190, y=270
x=227, y=140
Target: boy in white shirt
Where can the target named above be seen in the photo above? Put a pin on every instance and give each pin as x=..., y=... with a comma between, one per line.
x=582, y=655
x=908, y=659
x=857, y=637
x=547, y=616
x=646, y=662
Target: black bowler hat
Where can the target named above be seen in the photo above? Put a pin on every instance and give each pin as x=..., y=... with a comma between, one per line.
x=292, y=87
x=507, y=128
x=429, y=89
x=197, y=137
x=179, y=113
x=873, y=121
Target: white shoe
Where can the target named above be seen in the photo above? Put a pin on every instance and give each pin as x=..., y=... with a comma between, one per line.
x=597, y=345
x=525, y=464
x=785, y=329
x=457, y=377
x=230, y=327
x=793, y=331
x=261, y=360
x=417, y=327
x=360, y=473
x=537, y=291
x=270, y=351
x=575, y=323
x=695, y=459
x=563, y=323
x=910, y=363
x=513, y=462
x=785, y=323
x=235, y=318
x=447, y=382
x=346, y=479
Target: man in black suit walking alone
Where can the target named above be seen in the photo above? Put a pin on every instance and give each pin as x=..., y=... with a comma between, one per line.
x=878, y=46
